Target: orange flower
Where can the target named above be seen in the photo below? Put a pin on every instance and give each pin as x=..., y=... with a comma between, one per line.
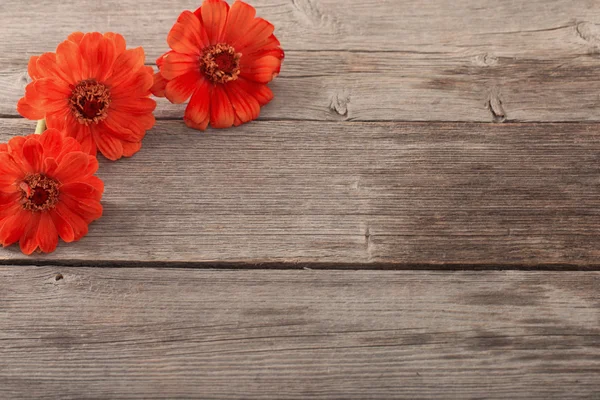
x=222, y=58
x=47, y=189
x=94, y=90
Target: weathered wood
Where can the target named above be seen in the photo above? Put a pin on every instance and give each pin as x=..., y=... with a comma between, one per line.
x=169, y=333
x=338, y=86
x=350, y=194
x=534, y=29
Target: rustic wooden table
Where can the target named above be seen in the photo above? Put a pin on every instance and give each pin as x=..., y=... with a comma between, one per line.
x=415, y=215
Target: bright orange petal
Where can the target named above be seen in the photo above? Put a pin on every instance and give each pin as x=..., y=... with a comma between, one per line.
x=259, y=91
x=32, y=68
x=76, y=37
x=71, y=167
x=14, y=227
x=187, y=35
x=33, y=153
x=221, y=110
x=259, y=32
x=197, y=111
x=246, y=107
x=214, y=17
x=69, y=58
x=98, y=54
x=118, y=40
x=77, y=223
x=48, y=67
x=47, y=236
x=240, y=19
x=28, y=111
x=176, y=64
x=129, y=148
x=63, y=228
x=127, y=64
x=182, y=87
x=261, y=70
x=110, y=146
x=159, y=86
x=28, y=241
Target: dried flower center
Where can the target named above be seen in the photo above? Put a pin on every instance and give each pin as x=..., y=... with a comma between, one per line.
x=220, y=63
x=90, y=101
x=39, y=193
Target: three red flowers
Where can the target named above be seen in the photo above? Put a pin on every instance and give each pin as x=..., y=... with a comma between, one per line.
x=93, y=94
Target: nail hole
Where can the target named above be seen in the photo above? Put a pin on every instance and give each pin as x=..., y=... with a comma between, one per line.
x=58, y=277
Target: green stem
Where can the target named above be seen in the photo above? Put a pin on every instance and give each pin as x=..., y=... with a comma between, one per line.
x=41, y=127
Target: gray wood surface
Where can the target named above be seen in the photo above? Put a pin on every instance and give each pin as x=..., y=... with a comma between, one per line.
x=404, y=60
x=352, y=194
x=417, y=135
x=172, y=333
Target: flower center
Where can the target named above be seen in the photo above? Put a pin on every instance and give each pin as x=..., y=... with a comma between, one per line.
x=220, y=63
x=89, y=102
x=39, y=193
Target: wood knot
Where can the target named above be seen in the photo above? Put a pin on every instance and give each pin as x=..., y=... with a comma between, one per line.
x=589, y=32
x=338, y=103
x=494, y=104
x=485, y=60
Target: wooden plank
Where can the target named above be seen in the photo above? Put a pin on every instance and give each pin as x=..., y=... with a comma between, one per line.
x=534, y=29
x=169, y=333
x=350, y=86
x=363, y=194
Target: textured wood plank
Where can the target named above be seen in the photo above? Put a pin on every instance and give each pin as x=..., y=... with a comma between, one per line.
x=350, y=194
x=146, y=333
x=337, y=86
x=536, y=28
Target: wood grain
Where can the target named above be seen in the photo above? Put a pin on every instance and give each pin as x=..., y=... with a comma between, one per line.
x=351, y=86
x=534, y=29
x=365, y=194
x=171, y=333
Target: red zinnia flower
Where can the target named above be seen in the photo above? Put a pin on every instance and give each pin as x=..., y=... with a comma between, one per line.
x=47, y=189
x=94, y=90
x=222, y=58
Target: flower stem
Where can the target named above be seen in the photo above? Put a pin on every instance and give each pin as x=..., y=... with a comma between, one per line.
x=41, y=127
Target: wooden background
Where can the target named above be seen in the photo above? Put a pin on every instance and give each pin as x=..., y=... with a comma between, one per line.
x=415, y=215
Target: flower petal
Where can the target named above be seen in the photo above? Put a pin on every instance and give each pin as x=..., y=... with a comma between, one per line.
x=214, y=17
x=28, y=111
x=81, y=190
x=63, y=228
x=32, y=68
x=14, y=227
x=118, y=40
x=51, y=141
x=261, y=70
x=197, y=111
x=176, y=64
x=69, y=58
x=129, y=148
x=159, y=86
x=110, y=146
x=77, y=223
x=127, y=64
x=260, y=91
x=182, y=87
x=240, y=19
x=98, y=54
x=187, y=35
x=33, y=153
x=28, y=241
x=71, y=166
x=259, y=31
x=47, y=236
x=246, y=107
x=221, y=110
